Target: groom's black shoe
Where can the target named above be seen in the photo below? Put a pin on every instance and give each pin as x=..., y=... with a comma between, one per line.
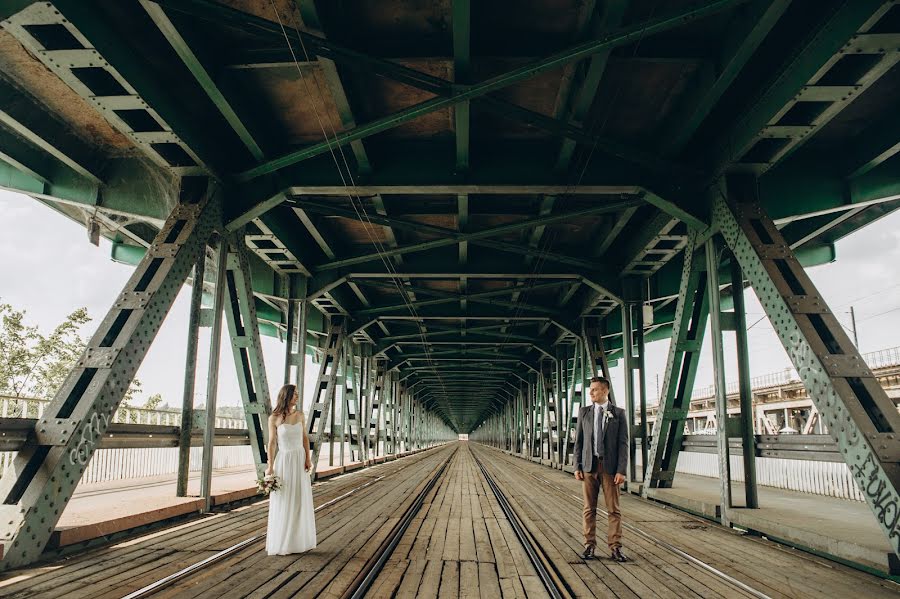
x=618, y=556
x=588, y=552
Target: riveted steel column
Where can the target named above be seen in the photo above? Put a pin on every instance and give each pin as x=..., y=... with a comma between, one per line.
x=691, y=314
x=190, y=378
x=748, y=440
x=715, y=324
x=44, y=473
x=629, y=367
x=246, y=346
x=860, y=417
x=212, y=378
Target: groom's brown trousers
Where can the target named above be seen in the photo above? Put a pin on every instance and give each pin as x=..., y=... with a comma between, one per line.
x=593, y=481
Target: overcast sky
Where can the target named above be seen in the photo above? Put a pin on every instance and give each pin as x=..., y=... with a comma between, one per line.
x=48, y=267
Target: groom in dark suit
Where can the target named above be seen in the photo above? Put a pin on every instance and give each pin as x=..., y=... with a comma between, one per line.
x=601, y=458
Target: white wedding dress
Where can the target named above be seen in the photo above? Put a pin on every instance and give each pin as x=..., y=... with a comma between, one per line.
x=292, y=521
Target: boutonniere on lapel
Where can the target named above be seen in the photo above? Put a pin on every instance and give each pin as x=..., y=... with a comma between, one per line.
x=608, y=415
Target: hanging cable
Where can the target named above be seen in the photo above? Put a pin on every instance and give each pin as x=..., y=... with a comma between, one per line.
x=361, y=212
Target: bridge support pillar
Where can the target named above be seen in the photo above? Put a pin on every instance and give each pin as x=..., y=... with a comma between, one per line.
x=857, y=411
x=190, y=377
x=46, y=471
x=246, y=347
x=633, y=362
x=688, y=328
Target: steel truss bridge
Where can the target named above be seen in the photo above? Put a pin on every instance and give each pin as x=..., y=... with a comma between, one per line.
x=451, y=203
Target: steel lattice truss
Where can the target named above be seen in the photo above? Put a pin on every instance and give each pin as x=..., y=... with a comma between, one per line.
x=462, y=207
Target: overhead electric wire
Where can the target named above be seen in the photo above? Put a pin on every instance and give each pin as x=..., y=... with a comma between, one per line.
x=363, y=216
x=550, y=240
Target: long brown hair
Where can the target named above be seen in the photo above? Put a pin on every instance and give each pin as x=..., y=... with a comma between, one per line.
x=285, y=395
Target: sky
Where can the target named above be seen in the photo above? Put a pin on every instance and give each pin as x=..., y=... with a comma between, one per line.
x=49, y=268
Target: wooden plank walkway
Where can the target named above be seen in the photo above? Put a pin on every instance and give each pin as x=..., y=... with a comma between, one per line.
x=460, y=544
x=117, y=570
x=549, y=502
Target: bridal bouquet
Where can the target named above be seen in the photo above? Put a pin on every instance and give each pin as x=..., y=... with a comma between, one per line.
x=267, y=484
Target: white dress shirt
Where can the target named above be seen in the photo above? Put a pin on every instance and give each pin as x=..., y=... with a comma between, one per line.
x=599, y=410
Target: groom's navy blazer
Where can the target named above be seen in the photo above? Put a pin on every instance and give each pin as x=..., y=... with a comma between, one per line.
x=615, y=441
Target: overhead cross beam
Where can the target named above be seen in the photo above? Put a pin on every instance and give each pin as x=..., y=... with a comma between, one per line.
x=474, y=237
x=204, y=9
x=798, y=80
x=746, y=32
x=461, y=73
x=450, y=96
x=613, y=15
x=452, y=238
x=311, y=19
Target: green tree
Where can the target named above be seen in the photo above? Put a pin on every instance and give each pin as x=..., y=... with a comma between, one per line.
x=34, y=365
x=153, y=402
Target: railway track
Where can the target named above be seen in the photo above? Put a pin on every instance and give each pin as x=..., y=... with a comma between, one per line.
x=167, y=581
x=550, y=578
x=567, y=494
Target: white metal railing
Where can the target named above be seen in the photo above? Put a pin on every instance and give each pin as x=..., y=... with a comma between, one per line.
x=831, y=479
x=883, y=358
x=117, y=464
x=33, y=407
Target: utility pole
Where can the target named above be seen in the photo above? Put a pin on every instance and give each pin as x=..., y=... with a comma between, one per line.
x=853, y=322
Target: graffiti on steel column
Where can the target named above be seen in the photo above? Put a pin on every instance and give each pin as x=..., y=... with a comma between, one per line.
x=881, y=495
x=89, y=433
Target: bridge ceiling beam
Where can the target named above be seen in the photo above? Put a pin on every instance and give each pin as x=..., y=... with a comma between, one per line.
x=451, y=94
x=876, y=145
x=180, y=144
x=202, y=75
x=620, y=37
x=446, y=297
x=798, y=80
x=311, y=20
x=748, y=28
x=453, y=238
x=461, y=24
x=23, y=116
x=442, y=331
x=613, y=14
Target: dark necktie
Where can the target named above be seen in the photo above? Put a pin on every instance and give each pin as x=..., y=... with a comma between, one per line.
x=598, y=433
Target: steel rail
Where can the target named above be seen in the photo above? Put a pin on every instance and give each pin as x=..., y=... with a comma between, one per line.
x=552, y=582
x=363, y=581
x=656, y=541
x=216, y=557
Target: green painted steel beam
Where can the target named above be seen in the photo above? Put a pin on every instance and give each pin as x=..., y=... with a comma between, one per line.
x=119, y=52
x=436, y=331
x=201, y=74
x=311, y=19
x=492, y=232
x=746, y=32
x=790, y=78
x=613, y=14
x=388, y=222
x=461, y=23
x=621, y=37
x=877, y=144
x=386, y=68
x=26, y=159
x=447, y=297
x=25, y=117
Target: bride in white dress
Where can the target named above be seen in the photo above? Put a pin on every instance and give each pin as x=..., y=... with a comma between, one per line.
x=292, y=522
